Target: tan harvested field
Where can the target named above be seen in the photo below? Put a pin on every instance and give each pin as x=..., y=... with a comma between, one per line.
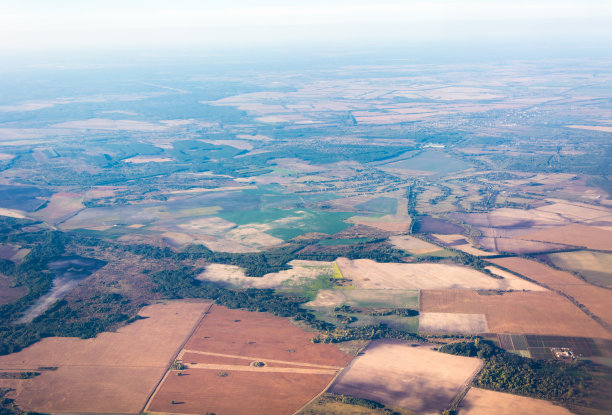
x=12, y=213
x=107, y=124
x=146, y=159
x=61, y=207
x=485, y=402
x=457, y=241
x=577, y=211
x=453, y=323
x=413, y=245
x=300, y=272
x=416, y=378
x=505, y=274
x=227, y=342
x=596, y=267
x=227, y=237
x=112, y=373
x=240, y=392
x=261, y=335
x=596, y=299
x=518, y=246
x=368, y=274
x=579, y=235
x=601, y=128
x=517, y=312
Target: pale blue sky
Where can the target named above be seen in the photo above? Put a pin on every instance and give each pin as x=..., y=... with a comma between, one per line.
x=27, y=25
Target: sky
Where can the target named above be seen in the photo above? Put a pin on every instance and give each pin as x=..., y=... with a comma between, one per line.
x=42, y=25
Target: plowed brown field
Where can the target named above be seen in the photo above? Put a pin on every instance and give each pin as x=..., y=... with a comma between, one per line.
x=517, y=312
x=485, y=402
x=112, y=373
x=220, y=376
x=596, y=299
x=575, y=234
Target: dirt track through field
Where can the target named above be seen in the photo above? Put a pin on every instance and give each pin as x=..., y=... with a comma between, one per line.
x=260, y=358
x=241, y=362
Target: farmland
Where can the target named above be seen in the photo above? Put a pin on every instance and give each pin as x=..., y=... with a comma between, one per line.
x=517, y=312
x=483, y=402
x=592, y=297
x=86, y=374
x=593, y=266
x=416, y=378
x=218, y=373
x=368, y=274
x=358, y=202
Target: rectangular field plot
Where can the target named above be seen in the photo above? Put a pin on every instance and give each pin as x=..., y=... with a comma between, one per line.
x=485, y=402
x=540, y=353
x=593, y=266
x=111, y=373
x=505, y=341
x=416, y=378
x=581, y=346
x=519, y=342
x=368, y=274
x=367, y=298
x=241, y=362
x=453, y=323
x=532, y=312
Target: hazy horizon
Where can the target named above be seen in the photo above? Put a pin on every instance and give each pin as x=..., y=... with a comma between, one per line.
x=72, y=28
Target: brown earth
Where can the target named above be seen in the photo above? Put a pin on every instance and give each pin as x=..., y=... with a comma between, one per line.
x=8, y=294
x=535, y=312
x=517, y=246
x=574, y=234
x=240, y=392
x=220, y=378
x=596, y=299
x=112, y=373
x=243, y=333
x=485, y=402
x=417, y=378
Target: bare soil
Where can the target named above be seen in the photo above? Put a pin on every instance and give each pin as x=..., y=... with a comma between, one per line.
x=416, y=378
x=485, y=402
x=517, y=312
x=112, y=373
x=221, y=376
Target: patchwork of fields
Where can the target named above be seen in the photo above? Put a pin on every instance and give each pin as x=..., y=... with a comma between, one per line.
x=241, y=362
x=112, y=373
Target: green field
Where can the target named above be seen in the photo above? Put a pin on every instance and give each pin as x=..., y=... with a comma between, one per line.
x=289, y=223
x=435, y=161
x=593, y=266
x=386, y=205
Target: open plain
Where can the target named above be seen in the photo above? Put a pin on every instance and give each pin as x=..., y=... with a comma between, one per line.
x=112, y=373
x=517, y=312
x=484, y=402
x=242, y=362
x=417, y=378
x=368, y=274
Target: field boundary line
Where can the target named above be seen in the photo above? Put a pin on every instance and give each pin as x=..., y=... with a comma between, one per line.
x=331, y=382
x=465, y=388
x=242, y=368
x=174, y=356
x=557, y=291
x=260, y=358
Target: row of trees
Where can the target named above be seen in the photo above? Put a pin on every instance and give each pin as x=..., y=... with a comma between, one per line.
x=507, y=372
